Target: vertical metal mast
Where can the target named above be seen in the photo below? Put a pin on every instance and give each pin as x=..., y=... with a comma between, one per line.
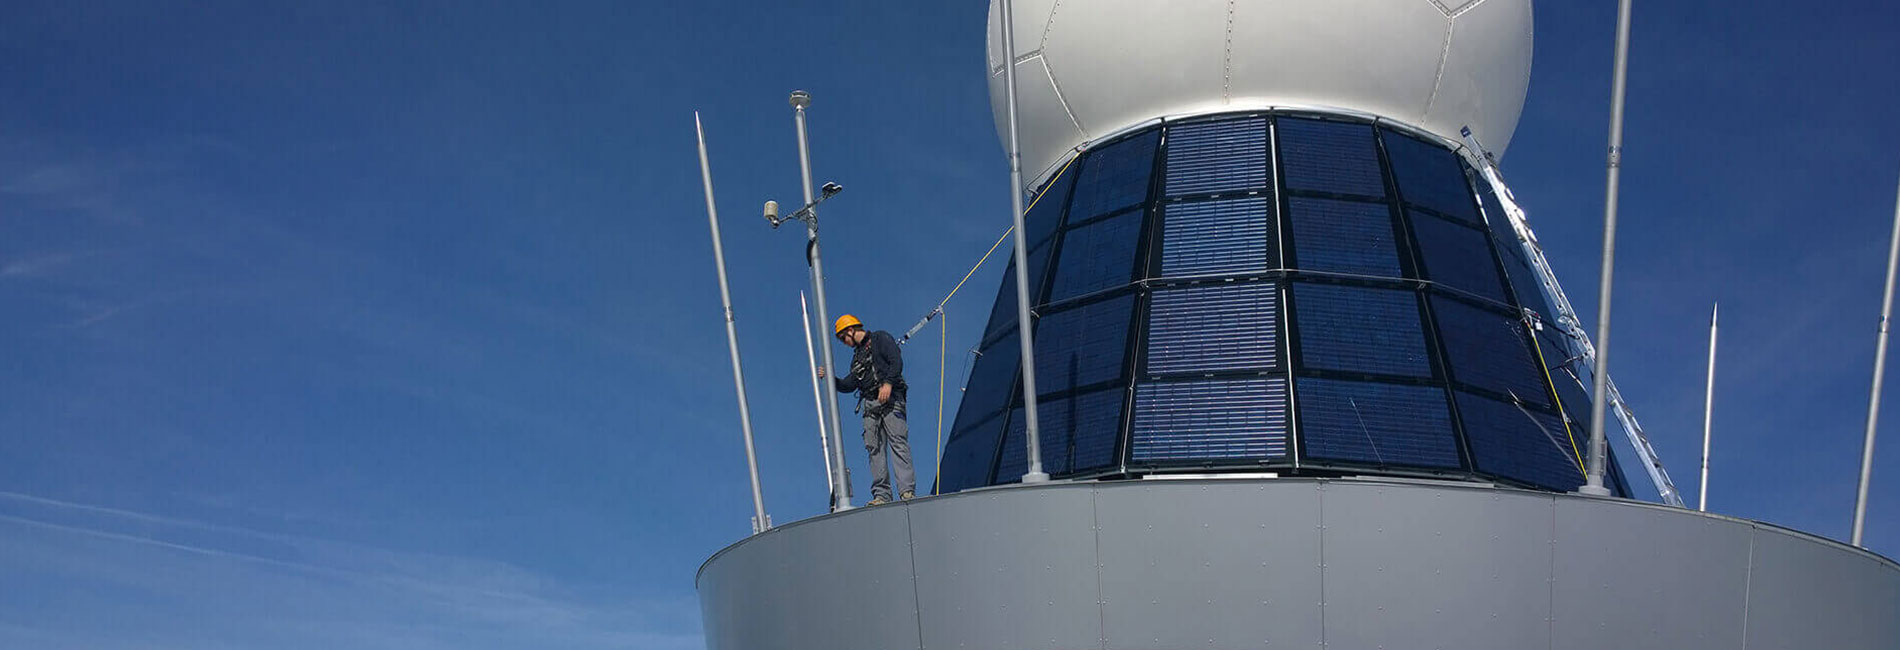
x=760, y=520
x=841, y=481
x=817, y=399
x=1033, y=433
x=1593, y=479
x=1708, y=412
x=1880, y=368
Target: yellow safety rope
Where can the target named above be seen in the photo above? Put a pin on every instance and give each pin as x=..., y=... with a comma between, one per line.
x=1006, y=231
x=945, y=332
x=1560, y=403
x=943, y=336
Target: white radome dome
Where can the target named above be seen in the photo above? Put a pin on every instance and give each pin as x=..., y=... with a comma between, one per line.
x=1087, y=69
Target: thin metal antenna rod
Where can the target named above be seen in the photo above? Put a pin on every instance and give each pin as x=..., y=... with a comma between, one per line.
x=760, y=520
x=841, y=481
x=1593, y=479
x=1880, y=368
x=817, y=399
x=1708, y=412
x=1031, y=429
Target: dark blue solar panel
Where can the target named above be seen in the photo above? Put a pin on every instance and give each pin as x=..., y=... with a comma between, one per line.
x=1517, y=265
x=1079, y=431
x=1382, y=424
x=1430, y=175
x=1576, y=400
x=1457, y=256
x=1521, y=444
x=1038, y=268
x=1489, y=350
x=1045, y=209
x=969, y=454
x=1359, y=329
x=1210, y=420
x=1082, y=346
x=1003, y=310
x=1344, y=237
x=1014, y=457
x=992, y=381
x=1224, y=156
x=1212, y=327
x=1097, y=256
x=1224, y=236
x=1619, y=485
x=1114, y=177
x=1525, y=284
x=1335, y=157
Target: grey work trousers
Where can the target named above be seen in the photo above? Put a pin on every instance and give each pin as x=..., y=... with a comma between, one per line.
x=887, y=428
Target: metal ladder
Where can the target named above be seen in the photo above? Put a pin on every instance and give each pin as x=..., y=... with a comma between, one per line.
x=1582, y=364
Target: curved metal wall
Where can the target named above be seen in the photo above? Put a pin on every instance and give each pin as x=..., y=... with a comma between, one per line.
x=1239, y=563
x=1275, y=290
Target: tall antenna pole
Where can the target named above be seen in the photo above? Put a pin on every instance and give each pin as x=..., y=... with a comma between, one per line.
x=841, y=480
x=760, y=520
x=818, y=401
x=1031, y=429
x=1708, y=412
x=1593, y=479
x=1880, y=368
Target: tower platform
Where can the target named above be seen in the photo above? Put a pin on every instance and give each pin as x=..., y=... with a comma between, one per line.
x=1292, y=563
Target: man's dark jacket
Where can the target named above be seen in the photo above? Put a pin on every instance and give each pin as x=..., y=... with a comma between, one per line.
x=875, y=362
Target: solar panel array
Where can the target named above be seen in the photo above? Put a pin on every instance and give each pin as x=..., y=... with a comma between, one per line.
x=1274, y=290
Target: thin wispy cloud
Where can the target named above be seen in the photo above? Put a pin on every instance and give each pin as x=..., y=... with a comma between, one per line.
x=320, y=593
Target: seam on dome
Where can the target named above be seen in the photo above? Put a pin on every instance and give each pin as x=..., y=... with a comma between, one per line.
x=1441, y=7
x=1048, y=25
x=1057, y=89
x=1467, y=8
x=1020, y=59
x=1444, y=57
x=1227, y=60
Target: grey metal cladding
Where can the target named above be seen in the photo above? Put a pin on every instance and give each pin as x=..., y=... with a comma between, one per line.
x=1007, y=568
x=1802, y=594
x=1188, y=565
x=808, y=571
x=1424, y=567
x=1635, y=597
x=1292, y=562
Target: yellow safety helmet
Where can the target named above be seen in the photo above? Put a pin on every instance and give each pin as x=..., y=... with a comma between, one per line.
x=846, y=322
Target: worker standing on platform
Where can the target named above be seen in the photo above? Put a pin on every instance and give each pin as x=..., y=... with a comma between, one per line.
x=877, y=374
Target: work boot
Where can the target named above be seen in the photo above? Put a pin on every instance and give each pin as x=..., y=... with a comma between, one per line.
x=878, y=501
x=907, y=495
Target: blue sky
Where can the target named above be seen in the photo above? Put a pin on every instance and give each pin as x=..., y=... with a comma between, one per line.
x=386, y=326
